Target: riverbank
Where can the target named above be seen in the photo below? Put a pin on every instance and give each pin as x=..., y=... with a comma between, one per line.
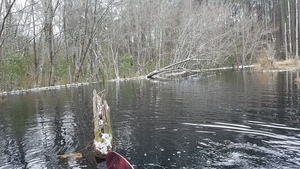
x=280, y=66
x=39, y=89
x=277, y=66
x=63, y=86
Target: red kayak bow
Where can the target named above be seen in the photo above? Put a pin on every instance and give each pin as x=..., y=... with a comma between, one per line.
x=116, y=161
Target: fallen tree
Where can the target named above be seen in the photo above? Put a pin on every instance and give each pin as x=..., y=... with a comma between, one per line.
x=184, y=68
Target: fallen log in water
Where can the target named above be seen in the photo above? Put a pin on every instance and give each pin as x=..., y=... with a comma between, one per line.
x=102, y=126
x=74, y=155
x=183, y=68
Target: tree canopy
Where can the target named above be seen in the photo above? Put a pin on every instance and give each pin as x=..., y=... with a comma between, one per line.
x=64, y=41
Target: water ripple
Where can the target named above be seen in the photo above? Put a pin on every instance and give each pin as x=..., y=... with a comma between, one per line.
x=248, y=130
x=276, y=145
x=277, y=126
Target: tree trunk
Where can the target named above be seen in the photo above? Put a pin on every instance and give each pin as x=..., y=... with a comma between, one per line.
x=290, y=28
x=102, y=126
x=49, y=15
x=6, y=26
x=285, y=41
x=297, y=31
x=293, y=27
x=36, y=58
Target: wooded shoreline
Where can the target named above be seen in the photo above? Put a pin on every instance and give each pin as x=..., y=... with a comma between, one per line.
x=287, y=67
x=45, y=43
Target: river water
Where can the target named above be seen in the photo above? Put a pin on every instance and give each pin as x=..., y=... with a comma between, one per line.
x=229, y=120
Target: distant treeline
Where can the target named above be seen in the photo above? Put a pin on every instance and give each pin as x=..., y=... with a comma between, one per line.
x=48, y=42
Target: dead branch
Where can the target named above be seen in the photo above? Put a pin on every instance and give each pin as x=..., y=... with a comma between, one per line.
x=178, y=69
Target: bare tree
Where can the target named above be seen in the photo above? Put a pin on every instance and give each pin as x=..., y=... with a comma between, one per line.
x=297, y=30
x=5, y=23
x=49, y=36
x=93, y=18
x=73, y=41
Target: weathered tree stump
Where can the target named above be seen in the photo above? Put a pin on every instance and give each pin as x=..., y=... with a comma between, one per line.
x=102, y=126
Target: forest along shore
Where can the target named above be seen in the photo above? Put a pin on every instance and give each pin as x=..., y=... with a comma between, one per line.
x=277, y=66
x=44, y=43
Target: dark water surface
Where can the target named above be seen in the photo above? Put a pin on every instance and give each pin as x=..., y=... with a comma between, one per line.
x=231, y=120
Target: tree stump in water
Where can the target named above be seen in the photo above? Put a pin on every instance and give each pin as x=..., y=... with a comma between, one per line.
x=102, y=126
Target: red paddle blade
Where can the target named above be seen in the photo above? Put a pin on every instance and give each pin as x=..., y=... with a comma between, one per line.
x=116, y=161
